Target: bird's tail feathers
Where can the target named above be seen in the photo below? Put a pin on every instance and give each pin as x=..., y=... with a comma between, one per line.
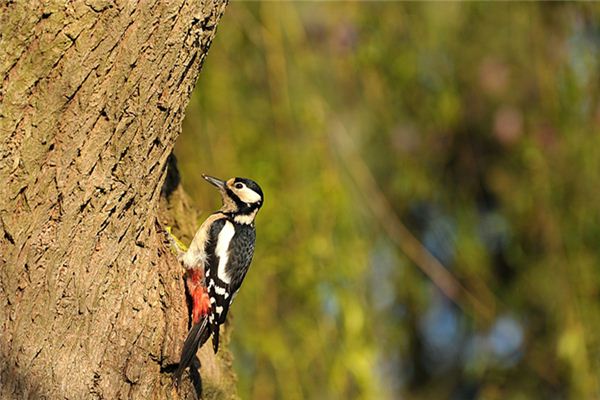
x=215, y=338
x=198, y=335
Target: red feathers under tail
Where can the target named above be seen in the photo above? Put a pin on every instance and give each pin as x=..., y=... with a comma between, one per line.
x=201, y=329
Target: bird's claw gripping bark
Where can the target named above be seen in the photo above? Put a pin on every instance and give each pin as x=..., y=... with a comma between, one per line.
x=176, y=244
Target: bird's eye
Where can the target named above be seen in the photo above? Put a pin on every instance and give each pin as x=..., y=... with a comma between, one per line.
x=239, y=185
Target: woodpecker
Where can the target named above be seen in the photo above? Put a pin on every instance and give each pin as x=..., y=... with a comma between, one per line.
x=217, y=260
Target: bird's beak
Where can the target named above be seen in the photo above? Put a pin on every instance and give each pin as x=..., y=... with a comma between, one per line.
x=217, y=182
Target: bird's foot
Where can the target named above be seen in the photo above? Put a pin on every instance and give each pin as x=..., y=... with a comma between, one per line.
x=177, y=245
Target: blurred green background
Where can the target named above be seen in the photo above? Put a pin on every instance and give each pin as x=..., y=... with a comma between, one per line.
x=431, y=228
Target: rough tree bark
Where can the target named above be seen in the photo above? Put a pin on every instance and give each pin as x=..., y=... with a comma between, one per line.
x=92, y=97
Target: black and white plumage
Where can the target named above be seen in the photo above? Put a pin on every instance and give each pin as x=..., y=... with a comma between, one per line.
x=229, y=253
x=217, y=262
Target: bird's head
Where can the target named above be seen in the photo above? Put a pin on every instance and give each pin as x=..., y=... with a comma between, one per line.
x=241, y=197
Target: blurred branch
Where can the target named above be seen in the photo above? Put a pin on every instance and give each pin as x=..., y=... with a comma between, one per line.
x=414, y=249
x=401, y=235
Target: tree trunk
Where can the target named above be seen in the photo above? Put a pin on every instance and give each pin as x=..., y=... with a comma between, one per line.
x=92, y=96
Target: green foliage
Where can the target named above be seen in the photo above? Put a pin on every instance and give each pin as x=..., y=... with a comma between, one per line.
x=479, y=123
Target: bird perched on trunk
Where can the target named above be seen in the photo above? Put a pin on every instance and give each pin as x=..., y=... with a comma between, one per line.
x=217, y=261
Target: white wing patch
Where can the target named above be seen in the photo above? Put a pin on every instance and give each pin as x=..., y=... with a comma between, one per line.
x=220, y=290
x=221, y=250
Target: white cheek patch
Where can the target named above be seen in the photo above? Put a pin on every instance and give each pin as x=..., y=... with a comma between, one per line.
x=221, y=251
x=248, y=195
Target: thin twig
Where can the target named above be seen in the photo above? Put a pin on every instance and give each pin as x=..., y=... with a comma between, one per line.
x=401, y=236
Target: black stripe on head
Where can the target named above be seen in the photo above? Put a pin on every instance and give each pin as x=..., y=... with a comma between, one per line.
x=240, y=205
